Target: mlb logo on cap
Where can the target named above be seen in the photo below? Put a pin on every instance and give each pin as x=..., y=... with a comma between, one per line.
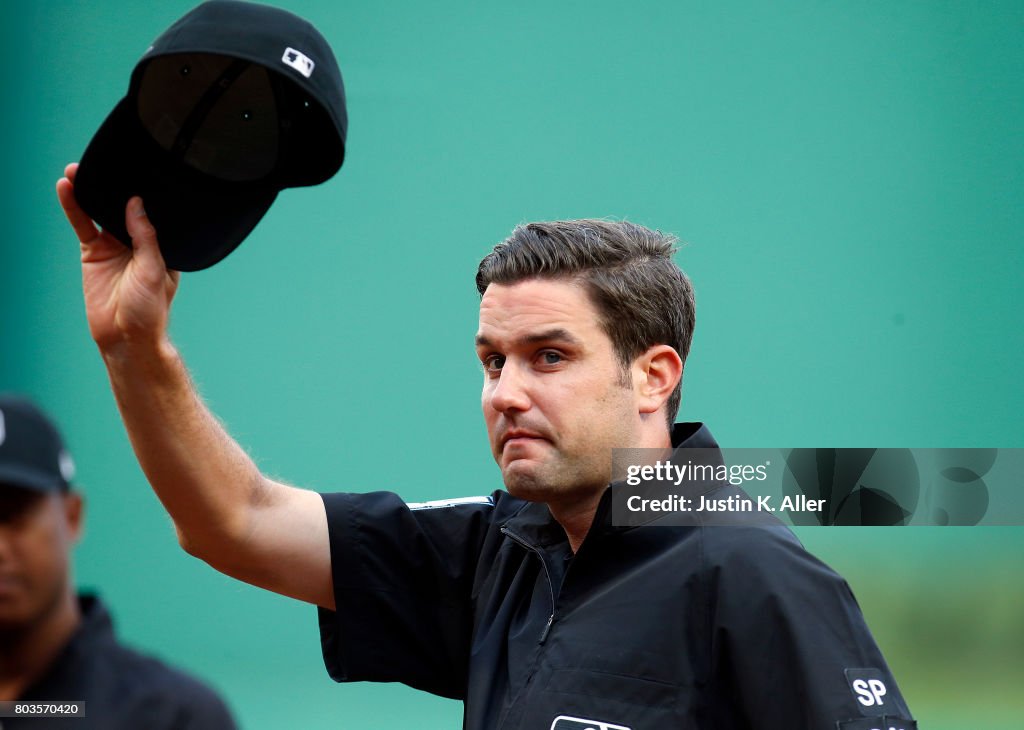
x=230, y=105
x=299, y=61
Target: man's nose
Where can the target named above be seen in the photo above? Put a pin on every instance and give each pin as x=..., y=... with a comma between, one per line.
x=510, y=392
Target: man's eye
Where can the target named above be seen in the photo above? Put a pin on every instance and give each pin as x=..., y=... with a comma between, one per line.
x=494, y=363
x=551, y=358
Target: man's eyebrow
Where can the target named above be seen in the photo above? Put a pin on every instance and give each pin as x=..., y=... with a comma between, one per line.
x=556, y=334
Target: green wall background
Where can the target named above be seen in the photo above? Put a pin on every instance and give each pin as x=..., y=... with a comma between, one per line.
x=846, y=178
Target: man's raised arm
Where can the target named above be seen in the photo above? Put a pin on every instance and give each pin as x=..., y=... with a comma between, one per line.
x=225, y=511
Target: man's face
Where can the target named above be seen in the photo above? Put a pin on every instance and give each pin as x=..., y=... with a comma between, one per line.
x=37, y=532
x=554, y=397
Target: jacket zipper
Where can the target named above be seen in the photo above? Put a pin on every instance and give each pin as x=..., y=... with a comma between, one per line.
x=547, y=574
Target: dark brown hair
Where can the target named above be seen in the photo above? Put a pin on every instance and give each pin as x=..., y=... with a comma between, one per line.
x=642, y=296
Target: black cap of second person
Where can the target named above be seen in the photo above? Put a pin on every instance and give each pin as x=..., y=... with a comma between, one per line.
x=32, y=452
x=233, y=103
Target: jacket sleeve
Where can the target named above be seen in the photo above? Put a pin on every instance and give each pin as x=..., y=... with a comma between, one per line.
x=789, y=642
x=402, y=584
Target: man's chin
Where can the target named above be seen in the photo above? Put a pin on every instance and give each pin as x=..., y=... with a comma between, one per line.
x=536, y=482
x=523, y=480
x=13, y=625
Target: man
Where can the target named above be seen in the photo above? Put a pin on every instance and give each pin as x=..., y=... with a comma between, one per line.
x=56, y=646
x=529, y=605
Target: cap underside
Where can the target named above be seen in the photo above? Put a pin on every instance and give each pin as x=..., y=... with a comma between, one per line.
x=199, y=141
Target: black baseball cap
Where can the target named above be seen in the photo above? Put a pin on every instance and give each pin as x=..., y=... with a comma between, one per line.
x=231, y=104
x=32, y=453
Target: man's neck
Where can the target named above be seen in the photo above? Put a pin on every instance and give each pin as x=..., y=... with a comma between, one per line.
x=25, y=656
x=577, y=517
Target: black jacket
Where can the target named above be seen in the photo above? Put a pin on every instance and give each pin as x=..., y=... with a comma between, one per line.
x=121, y=689
x=645, y=627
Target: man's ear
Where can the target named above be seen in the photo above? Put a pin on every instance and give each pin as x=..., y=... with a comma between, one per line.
x=655, y=374
x=74, y=513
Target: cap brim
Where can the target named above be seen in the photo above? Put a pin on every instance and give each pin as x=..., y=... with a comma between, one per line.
x=30, y=479
x=199, y=219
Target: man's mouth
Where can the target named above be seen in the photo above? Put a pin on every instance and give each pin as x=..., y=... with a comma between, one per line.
x=520, y=436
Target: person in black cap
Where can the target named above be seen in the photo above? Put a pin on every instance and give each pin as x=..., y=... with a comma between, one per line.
x=56, y=645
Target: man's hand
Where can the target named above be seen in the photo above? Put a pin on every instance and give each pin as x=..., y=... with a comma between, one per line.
x=128, y=291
